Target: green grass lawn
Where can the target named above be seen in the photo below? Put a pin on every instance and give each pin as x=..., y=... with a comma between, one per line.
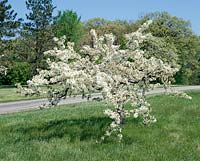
x=10, y=94
x=69, y=133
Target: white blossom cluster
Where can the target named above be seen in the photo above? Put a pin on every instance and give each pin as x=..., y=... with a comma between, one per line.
x=179, y=94
x=2, y=68
x=119, y=74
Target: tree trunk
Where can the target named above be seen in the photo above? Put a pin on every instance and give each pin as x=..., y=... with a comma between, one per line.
x=143, y=92
x=120, y=111
x=121, y=114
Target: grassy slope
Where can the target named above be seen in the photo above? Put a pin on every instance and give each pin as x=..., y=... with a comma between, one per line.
x=70, y=134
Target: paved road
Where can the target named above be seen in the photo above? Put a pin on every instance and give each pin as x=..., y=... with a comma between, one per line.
x=11, y=107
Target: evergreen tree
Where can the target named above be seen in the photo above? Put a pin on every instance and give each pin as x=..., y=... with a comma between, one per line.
x=8, y=22
x=38, y=29
x=68, y=23
x=9, y=25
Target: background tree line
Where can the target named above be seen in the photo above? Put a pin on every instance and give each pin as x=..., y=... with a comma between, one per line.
x=22, y=42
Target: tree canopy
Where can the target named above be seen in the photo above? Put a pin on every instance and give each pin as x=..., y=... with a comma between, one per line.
x=68, y=23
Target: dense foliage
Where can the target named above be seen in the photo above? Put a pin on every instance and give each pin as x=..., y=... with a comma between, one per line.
x=178, y=33
x=8, y=28
x=38, y=30
x=68, y=23
x=177, y=43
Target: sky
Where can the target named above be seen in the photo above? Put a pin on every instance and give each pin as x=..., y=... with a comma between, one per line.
x=123, y=9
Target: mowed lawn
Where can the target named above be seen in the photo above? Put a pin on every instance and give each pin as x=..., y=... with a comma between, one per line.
x=10, y=94
x=70, y=132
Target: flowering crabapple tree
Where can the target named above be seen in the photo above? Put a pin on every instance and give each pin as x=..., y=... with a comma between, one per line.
x=119, y=74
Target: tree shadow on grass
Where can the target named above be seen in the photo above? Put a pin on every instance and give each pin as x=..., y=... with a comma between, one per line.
x=73, y=129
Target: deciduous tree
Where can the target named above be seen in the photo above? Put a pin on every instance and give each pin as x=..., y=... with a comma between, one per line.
x=116, y=73
x=177, y=32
